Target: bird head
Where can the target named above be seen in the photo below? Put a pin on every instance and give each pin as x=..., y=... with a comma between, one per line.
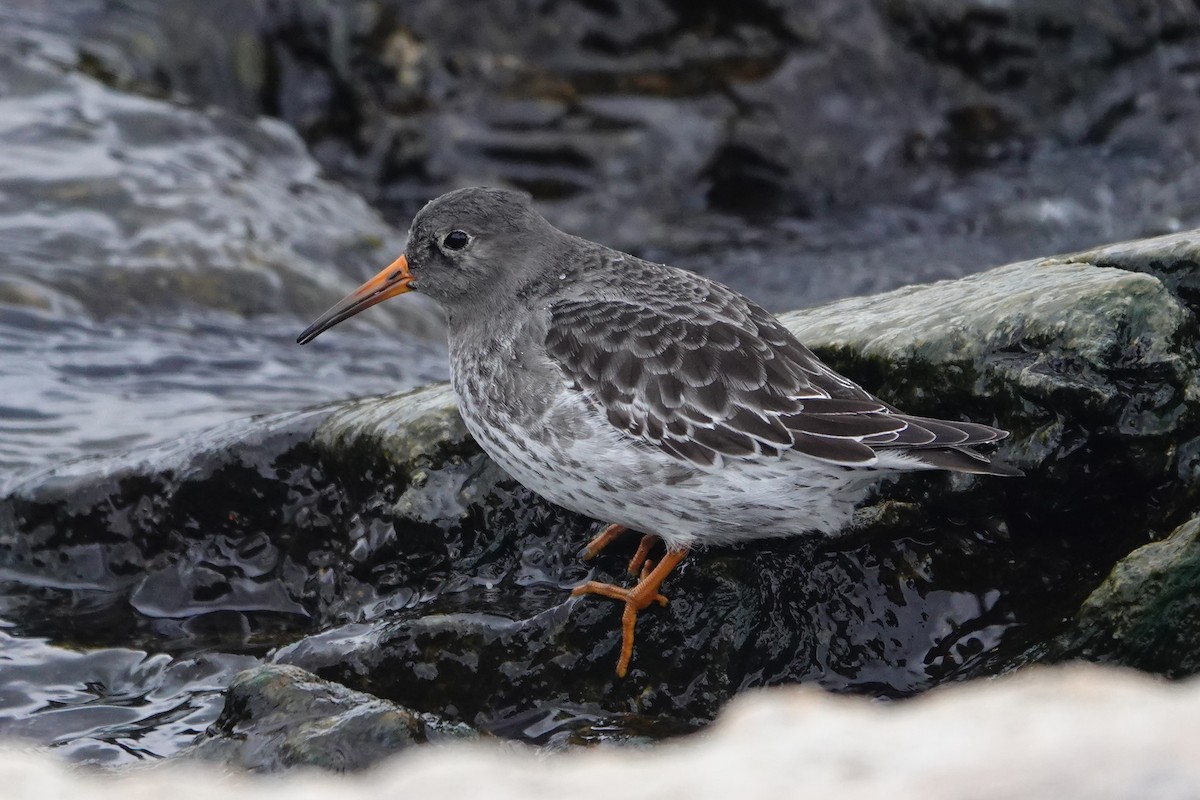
x=463, y=248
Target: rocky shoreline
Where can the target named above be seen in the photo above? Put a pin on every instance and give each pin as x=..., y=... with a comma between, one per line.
x=382, y=550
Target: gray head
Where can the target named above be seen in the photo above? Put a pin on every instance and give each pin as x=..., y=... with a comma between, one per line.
x=470, y=243
x=466, y=247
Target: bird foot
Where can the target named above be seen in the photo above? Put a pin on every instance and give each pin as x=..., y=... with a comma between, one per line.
x=602, y=540
x=636, y=599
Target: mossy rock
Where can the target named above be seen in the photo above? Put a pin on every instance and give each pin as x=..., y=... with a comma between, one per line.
x=1146, y=613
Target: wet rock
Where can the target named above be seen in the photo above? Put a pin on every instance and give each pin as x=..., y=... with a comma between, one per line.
x=1050, y=344
x=278, y=717
x=1091, y=368
x=378, y=547
x=1146, y=612
x=226, y=522
x=113, y=531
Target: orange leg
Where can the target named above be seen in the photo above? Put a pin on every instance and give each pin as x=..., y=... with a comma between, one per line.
x=639, y=597
x=643, y=552
x=602, y=540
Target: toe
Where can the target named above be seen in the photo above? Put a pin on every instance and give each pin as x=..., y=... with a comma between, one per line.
x=602, y=589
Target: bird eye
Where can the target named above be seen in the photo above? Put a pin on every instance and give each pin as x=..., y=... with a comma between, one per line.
x=456, y=240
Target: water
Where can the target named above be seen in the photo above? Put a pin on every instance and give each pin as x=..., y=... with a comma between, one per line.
x=76, y=387
x=108, y=705
x=158, y=264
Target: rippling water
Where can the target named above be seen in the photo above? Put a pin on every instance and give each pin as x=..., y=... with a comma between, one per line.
x=109, y=705
x=77, y=387
x=158, y=263
x=73, y=387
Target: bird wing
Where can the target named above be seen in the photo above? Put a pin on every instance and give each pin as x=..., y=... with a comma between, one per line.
x=713, y=376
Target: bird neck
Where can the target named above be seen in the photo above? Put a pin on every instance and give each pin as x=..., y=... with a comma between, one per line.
x=474, y=324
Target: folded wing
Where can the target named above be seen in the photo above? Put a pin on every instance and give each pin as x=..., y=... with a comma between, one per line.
x=723, y=379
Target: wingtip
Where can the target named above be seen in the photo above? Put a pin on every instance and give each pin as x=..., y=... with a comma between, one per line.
x=964, y=459
x=1006, y=471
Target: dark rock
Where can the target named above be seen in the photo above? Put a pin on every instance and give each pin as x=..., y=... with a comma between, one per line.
x=175, y=532
x=1146, y=613
x=277, y=717
x=382, y=549
x=1090, y=367
x=237, y=520
x=1048, y=53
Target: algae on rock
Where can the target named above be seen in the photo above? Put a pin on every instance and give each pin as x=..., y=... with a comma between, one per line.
x=1146, y=613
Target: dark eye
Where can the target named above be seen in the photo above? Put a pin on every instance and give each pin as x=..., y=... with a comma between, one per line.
x=456, y=240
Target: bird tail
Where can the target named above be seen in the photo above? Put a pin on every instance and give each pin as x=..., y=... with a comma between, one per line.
x=962, y=459
x=950, y=445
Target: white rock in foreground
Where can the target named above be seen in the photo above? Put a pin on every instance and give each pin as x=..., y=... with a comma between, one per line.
x=1074, y=731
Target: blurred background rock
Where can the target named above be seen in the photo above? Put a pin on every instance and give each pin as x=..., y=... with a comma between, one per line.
x=802, y=151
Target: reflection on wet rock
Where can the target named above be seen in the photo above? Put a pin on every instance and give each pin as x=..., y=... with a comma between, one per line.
x=376, y=546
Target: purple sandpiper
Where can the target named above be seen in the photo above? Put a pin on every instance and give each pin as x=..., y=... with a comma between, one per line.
x=647, y=396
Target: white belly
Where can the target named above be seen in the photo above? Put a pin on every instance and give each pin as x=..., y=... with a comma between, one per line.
x=598, y=471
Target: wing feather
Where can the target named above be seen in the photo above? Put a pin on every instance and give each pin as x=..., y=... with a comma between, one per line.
x=721, y=379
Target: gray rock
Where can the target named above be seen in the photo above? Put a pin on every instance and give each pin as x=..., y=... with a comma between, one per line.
x=1171, y=259
x=1146, y=613
x=278, y=717
x=1054, y=337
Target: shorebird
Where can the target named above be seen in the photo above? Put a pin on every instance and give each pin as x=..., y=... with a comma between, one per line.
x=647, y=396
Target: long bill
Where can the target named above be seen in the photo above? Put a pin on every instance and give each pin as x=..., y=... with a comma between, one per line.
x=391, y=281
